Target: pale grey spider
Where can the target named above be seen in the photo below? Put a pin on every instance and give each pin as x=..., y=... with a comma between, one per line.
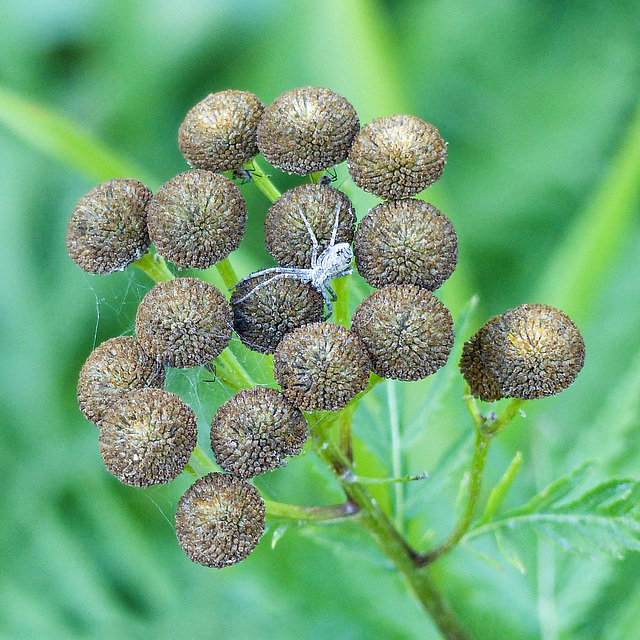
x=333, y=262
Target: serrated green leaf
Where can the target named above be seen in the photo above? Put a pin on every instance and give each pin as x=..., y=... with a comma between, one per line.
x=556, y=490
x=604, y=518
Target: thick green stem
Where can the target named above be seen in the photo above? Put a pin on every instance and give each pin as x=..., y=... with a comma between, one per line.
x=262, y=180
x=154, y=266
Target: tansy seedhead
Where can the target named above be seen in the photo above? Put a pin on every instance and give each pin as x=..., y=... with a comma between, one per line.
x=197, y=219
x=532, y=351
x=108, y=228
x=271, y=308
x=405, y=242
x=115, y=367
x=481, y=385
x=321, y=367
x=255, y=430
x=184, y=322
x=397, y=156
x=220, y=520
x=219, y=133
x=147, y=437
x=307, y=130
x=286, y=235
x=406, y=330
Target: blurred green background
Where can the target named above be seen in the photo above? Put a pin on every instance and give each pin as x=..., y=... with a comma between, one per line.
x=539, y=104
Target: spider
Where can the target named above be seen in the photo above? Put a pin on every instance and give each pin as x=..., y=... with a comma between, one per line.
x=333, y=262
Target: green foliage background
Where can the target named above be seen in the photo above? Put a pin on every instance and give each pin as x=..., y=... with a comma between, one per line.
x=539, y=104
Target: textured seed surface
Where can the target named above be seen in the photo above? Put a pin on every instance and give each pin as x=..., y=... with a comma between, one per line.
x=321, y=366
x=108, y=227
x=397, y=156
x=286, y=236
x=219, y=133
x=255, y=430
x=273, y=310
x=307, y=129
x=532, y=351
x=406, y=330
x=115, y=367
x=147, y=437
x=481, y=385
x=220, y=520
x=184, y=322
x=405, y=242
x=197, y=219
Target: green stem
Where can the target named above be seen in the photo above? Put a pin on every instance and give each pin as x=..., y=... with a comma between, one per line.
x=262, y=180
x=485, y=431
x=341, y=306
x=234, y=374
x=227, y=273
x=396, y=454
x=154, y=266
x=499, y=424
x=480, y=450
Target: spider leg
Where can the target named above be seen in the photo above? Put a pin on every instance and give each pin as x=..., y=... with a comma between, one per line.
x=334, y=230
x=332, y=294
x=329, y=313
x=262, y=284
x=312, y=235
x=257, y=274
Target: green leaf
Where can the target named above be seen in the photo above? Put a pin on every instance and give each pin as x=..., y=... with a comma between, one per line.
x=57, y=136
x=604, y=518
x=509, y=553
x=500, y=490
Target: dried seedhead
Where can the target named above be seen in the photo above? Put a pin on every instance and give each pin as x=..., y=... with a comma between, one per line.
x=255, y=430
x=220, y=520
x=108, y=228
x=197, y=219
x=115, y=367
x=397, y=156
x=147, y=437
x=406, y=330
x=184, y=322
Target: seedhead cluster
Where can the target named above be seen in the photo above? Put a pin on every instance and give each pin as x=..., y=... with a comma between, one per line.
x=404, y=248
